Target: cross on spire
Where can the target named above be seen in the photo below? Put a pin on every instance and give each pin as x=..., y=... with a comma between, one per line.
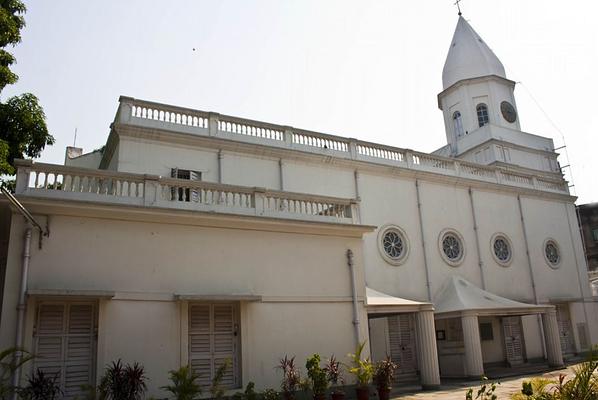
x=458, y=6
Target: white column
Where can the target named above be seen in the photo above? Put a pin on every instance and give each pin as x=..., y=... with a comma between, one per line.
x=425, y=334
x=553, y=340
x=474, y=364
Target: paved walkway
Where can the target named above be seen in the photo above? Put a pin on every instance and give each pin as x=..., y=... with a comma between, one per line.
x=457, y=390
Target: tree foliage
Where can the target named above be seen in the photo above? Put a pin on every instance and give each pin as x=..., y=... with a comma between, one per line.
x=23, y=130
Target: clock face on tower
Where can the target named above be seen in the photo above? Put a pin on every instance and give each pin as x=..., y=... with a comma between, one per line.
x=508, y=111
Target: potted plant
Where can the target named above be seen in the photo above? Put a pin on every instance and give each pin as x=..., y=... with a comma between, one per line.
x=123, y=382
x=335, y=377
x=363, y=369
x=383, y=377
x=317, y=377
x=185, y=385
x=290, y=377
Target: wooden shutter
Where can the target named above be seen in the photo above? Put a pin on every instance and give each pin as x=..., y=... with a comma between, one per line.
x=65, y=344
x=195, y=176
x=513, y=340
x=565, y=330
x=402, y=344
x=213, y=338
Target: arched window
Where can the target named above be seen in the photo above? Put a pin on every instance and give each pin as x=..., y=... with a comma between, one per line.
x=482, y=114
x=458, y=123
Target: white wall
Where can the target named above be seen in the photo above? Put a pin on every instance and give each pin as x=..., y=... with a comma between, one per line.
x=303, y=278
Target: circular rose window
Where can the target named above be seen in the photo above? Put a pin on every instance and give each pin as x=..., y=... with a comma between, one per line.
x=551, y=253
x=393, y=245
x=451, y=247
x=501, y=249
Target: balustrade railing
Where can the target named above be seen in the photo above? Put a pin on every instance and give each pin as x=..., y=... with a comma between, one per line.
x=71, y=183
x=241, y=129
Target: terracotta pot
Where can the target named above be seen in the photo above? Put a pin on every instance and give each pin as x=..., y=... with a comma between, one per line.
x=288, y=395
x=383, y=393
x=363, y=393
x=338, y=395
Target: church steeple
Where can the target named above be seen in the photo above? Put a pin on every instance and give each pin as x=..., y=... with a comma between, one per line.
x=480, y=113
x=469, y=57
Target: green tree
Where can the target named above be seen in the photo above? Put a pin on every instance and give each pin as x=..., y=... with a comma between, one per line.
x=23, y=130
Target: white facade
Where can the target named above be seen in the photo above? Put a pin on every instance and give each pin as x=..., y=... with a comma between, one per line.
x=192, y=209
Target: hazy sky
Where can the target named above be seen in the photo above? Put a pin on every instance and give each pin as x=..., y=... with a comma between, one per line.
x=364, y=69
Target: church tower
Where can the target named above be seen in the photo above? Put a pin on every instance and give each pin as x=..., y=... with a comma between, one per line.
x=480, y=113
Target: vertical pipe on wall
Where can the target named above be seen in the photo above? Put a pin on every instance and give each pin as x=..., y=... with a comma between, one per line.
x=353, y=295
x=531, y=272
x=423, y=237
x=477, y=239
x=22, y=305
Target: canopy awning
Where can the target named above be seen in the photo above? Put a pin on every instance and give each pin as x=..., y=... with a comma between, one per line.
x=381, y=303
x=459, y=295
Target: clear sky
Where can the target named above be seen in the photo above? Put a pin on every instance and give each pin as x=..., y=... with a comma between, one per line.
x=364, y=69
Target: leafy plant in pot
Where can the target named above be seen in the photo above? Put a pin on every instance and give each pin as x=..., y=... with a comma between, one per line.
x=291, y=378
x=363, y=369
x=383, y=376
x=335, y=377
x=317, y=377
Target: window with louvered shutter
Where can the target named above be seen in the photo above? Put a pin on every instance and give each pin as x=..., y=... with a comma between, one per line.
x=213, y=338
x=185, y=194
x=65, y=344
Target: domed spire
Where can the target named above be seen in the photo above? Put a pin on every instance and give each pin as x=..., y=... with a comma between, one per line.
x=469, y=57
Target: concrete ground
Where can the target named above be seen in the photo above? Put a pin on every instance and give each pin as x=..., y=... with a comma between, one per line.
x=456, y=390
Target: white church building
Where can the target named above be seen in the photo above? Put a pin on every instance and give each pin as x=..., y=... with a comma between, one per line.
x=193, y=237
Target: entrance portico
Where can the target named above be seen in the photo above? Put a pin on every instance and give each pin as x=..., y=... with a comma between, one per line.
x=461, y=306
x=415, y=341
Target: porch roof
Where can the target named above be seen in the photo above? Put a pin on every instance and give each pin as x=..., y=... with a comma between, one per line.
x=459, y=295
x=381, y=303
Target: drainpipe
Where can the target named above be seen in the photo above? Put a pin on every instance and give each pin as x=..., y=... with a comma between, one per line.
x=354, y=295
x=423, y=237
x=531, y=271
x=22, y=304
x=477, y=239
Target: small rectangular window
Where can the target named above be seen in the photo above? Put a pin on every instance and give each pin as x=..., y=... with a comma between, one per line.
x=185, y=194
x=595, y=234
x=486, y=332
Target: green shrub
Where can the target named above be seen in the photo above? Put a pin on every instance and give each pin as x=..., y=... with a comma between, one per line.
x=485, y=391
x=362, y=369
x=217, y=390
x=123, y=382
x=184, y=384
x=317, y=376
x=40, y=387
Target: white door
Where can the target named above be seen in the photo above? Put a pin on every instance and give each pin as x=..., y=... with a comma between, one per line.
x=513, y=340
x=213, y=338
x=65, y=344
x=565, y=329
x=402, y=343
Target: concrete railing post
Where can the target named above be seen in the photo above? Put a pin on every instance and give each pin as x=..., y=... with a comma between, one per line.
x=24, y=168
x=213, y=120
x=151, y=190
x=259, y=200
